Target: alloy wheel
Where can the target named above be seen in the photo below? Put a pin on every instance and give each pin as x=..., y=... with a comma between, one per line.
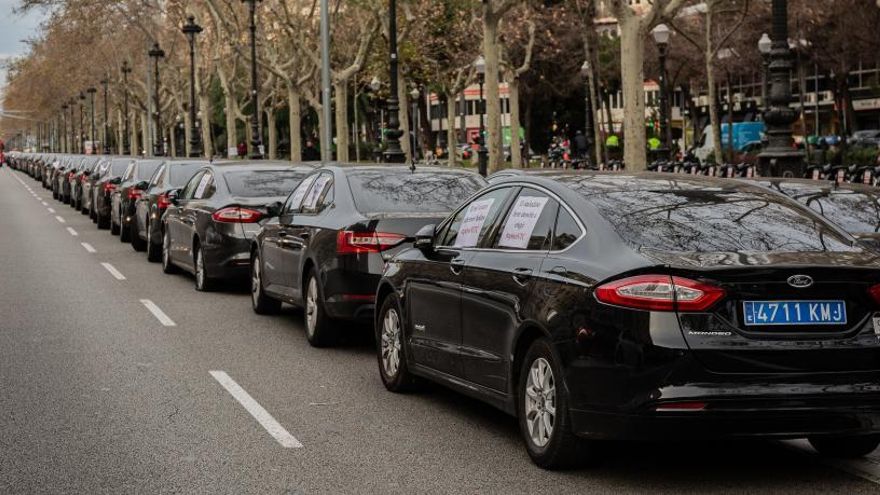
x=540, y=402
x=391, y=343
x=311, y=306
x=256, y=286
x=200, y=270
x=166, y=251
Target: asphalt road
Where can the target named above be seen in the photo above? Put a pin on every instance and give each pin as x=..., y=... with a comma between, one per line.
x=97, y=395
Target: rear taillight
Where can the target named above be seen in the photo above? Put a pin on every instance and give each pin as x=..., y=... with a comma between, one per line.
x=660, y=293
x=163, y=202
x=70, y=175
x=350, y=242
x=134, y=194
x=83, y=179
x=234, y=214
x=109, y=187
x=874, y=291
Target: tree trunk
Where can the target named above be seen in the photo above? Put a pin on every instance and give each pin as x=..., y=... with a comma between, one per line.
x=207, y=137
x=462, y=117
x=451, y=138
x=120, y=131
x=528, y=133
x=231, y=127
x=145, y=127
x=632, y=61
x=515, y=141
x=171, y=133
x=714, y=122
x=272, y=131
x=405, y=138
x=342, y=130
x=493, y=99
x=294, y=103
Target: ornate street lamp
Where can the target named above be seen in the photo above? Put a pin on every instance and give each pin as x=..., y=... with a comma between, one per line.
x=126, y=70
x=414, y=94
x=191, y=30
x=482, y=152
x=157, y=53
x=393, y=152
x=82, y=127
x=104, y=83
x=256, y=143
x=661, y=35
x=780, y=159
x=92, y=92
x=765, y=46
x=589, y=130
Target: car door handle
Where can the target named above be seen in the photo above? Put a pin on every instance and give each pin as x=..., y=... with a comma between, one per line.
x=305, y=235
x=559, y=270
x=521, y=275
x=456, y=266
x=282, y=234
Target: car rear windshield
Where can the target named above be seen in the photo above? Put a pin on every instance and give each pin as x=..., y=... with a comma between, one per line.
x=700, y=219
x=147, y=169
x=263, y=183
x=118, y=168
x=183, y=172
x=395, y=191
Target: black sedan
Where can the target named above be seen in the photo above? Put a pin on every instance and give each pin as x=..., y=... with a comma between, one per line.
x=600, y=307
x=327, y=249
x=151, y=205
x=210, y=224
x=130, y=188
x=103, y=189
x=854, y=207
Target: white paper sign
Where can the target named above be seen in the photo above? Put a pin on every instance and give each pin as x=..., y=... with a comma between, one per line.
x=521, y=222
x=232, y=152
x=316, y=191
x=200, y=191
x=474, y=218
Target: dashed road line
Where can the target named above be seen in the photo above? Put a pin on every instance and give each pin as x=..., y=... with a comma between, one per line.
x=45, y=203
x=72, y=232
x=51, y=210
x=59, y=218
x=113, y=271
x=158, y=313
x=88, y=247
x=262, y=416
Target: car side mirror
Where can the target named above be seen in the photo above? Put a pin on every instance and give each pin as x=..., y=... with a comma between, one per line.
x=173, y=196
x=425, y=238
x=274, y=209
x=142, y=185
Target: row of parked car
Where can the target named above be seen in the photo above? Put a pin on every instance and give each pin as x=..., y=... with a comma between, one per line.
x=592, y=306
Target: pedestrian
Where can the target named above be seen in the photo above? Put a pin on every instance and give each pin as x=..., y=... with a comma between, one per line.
x=242, y=150
x=581, y=146
x=310, y=153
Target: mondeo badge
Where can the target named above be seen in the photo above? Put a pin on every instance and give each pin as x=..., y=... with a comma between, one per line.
x=800, y=281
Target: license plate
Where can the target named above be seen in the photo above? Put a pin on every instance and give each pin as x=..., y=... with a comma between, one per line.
x=770, y=313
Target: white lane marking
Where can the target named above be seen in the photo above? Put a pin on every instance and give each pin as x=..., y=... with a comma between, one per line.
x=72, y=232
x=45, y=203
x=257, y=411
x=57, y=217
x=867, y=468
x=89, y=247
x=113, y=271
x=51, y=210
x=158, y=313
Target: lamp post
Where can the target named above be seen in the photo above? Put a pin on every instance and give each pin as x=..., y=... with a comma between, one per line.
x=82, y=132
x=70, y=146
x=104, y=83
x=191, y=30
x=126, y=70
x=780, y=158
x=589, y=131
x=157, y=53
x=765, y=46
x=414, y=94
x=482, y=152
x=256, y=143
x=92, y=92
x=661, y=35
x=393, y=152
x=65, y=144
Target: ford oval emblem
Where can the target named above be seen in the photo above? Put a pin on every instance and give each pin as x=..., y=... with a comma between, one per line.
x=800, y=281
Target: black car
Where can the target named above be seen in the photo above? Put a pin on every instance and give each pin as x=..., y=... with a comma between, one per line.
x=602, y=307
x=151, y=205
x=132, y=185
x=65, y=175
x=854, y=207
x=79, y=181
x=327, y=249
x=210, y=223
x=104, y=187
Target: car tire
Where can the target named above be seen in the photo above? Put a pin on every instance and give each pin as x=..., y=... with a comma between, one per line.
x=390, y=348
x=114, y=227
x=203, y=281
x=102, y=221
x=137, y=243
x=542, y=405
x=167, y=265
x=154, y=252
x=124, y=230
x=319, y=327
x=260, y=301
x=845, y=447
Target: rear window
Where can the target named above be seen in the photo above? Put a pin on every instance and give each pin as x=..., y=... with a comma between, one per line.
x=391, y=191
x=263, y=183
x=118, y=168
x=182, y=173
x=713, y=220
x=146, y=170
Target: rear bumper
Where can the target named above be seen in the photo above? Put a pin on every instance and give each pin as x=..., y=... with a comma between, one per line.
x=227, y=256
x=788, y=418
